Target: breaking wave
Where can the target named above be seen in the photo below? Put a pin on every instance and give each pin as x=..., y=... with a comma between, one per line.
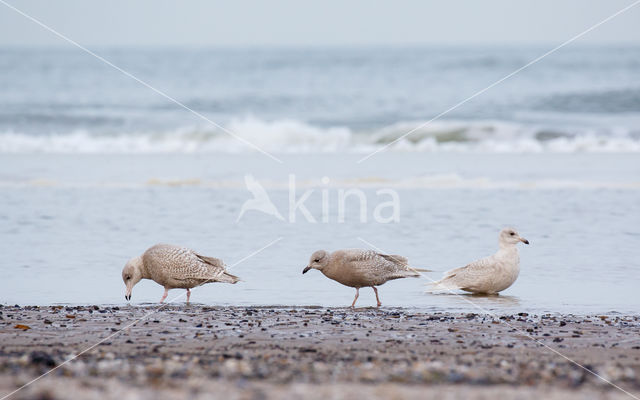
x=291, y=136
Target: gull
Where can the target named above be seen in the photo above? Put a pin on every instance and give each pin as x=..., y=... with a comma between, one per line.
x=174, y=267
x=488, y=275
x=260, y=202
x=361, y=268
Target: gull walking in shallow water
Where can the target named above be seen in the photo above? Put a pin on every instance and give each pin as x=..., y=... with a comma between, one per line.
x=488, y=275
x=361, y=268
x=174, y=267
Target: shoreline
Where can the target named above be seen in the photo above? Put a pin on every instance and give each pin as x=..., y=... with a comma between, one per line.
x=190, y=351
x=431, y=310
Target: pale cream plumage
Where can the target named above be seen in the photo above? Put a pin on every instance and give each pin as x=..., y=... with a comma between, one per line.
x=361, y=268
x=174, y=267
x=489, y=275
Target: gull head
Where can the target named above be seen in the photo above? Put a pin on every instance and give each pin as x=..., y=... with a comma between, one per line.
x=318, y=260
x=131, y=274
x=510, y=237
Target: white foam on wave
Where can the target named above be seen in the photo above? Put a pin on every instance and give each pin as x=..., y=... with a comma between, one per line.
x=428, y=182
x=291, y=136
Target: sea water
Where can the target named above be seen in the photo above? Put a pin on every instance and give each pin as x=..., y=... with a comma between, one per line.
x=95, y=168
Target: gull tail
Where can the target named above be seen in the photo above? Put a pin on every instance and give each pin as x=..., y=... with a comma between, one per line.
x=411, y=272
x=228, y=278
x=421, y=269
x=443, y=285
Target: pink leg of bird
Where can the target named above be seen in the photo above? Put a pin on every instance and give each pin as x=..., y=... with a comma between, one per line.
x=353, y=305
x=164, y=296
x=377, y=298
x=188, y=295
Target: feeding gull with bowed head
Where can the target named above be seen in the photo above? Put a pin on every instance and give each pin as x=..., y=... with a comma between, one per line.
x=361, y=268
x=489, y=275
x=174, y=267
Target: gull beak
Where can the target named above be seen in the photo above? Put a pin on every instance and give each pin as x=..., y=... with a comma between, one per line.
x=304, y=271
x=127, y=295
x=523, y=240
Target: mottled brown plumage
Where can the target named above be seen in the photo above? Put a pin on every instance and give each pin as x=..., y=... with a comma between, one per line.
x=361, y=268
x=174, y=267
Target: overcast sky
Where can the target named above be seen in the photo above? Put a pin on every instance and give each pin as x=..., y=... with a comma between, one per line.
x=318, y=23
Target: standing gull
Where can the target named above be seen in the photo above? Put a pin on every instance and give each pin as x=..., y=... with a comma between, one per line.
x=488, y=275
x=361, y=268
x=174, y=267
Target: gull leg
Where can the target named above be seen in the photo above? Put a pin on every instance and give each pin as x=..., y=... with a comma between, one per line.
x=377, y=298
x=353, y=305
x=164, y=296
x=188, y=295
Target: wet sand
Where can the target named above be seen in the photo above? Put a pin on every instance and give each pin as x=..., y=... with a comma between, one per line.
x=197, y=351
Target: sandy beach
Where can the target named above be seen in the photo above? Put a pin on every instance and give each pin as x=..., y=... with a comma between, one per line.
x=181, y=351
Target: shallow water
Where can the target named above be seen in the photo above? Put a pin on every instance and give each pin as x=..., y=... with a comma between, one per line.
x=69, y=223
x=95, y=168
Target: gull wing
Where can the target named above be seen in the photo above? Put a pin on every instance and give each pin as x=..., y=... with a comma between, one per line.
x=473, y=276
x=372, y=262
x=181, y=263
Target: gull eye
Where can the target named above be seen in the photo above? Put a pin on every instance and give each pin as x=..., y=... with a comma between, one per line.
x=316, y=260
x=511, y=233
